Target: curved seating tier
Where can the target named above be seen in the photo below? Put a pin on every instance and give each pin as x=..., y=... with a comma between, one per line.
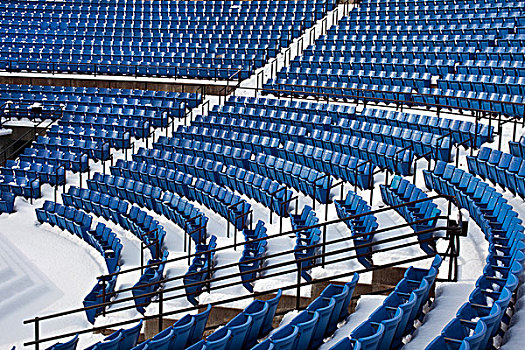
x=177, y=209
x=206, y=189
x=261, y=128
x=113, y=209
x=96, y=148
x=363, y=227
x=200, y=270
x=501, y=168
x=485, y=315
x=137, y=128
x=333, y=111
x=71, y=161
x=460, y=130
x=394, y=319
x=423, y=143
x=401, y=191
x=79, y=223
x=128, y=189
x=101, y=238
x=354, y=170
x=134, y=105
x=114, y=139
x=20, y=186
x=305, y=240
x=171, y=40
x=167, y=179
x=252, y=142
x=251, y=251
x=46, y=173
x=221, y=153
x=237, y=158
x=308, y=329
x=263, y=189
x=382, y=154
x=304, y=179
x=297, y=119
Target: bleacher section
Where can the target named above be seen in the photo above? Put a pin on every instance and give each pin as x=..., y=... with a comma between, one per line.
x=467, y=54
x=85, y=105
x=101, y=238
x=254, y=156
x=423, y=214
x=504, y=265
x=93, y=121
x=181, y=39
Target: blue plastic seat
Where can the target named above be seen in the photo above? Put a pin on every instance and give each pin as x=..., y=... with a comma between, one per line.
x=257, y=310
x=199, y=324
x=347, y=344
x=109, y=344
x=324, y=307
x=268, y=319
x=368, y=335
x=390, y=320
x=306, y=322
x=285, y=337
x=69, y=345
x=239, y=327
x=218, y=340
x=339, y=295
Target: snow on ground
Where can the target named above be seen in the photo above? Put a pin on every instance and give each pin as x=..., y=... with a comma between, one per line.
x=44, y=286
x=365, y=306
x=449, y=298
x=4, y=132
x=45, y=271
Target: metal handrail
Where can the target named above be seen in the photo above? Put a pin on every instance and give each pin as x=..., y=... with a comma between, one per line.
x=259, y=259
x=379, y=99
x=287, y=233
x=261, y=269
x=54, y=66
x=225, y=301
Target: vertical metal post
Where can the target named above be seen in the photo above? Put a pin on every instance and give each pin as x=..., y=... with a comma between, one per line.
x=514, y=129
x=281, y=219
x=189, y=251
x=271, y=210
x=161, y=308
x=141, y=257
x=298, y=291
x=500, y=130
x=323, y=260
x=313, y=198
x=415, y=171
x=208, y=284
x=37, y=333
x=327, y=199
x=474, y=146
x=103, y=296
x=186, y=237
